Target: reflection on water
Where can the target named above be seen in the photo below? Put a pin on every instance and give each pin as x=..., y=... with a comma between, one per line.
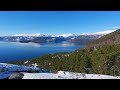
x=28, y=44
x=23, y=51
x=67, y=44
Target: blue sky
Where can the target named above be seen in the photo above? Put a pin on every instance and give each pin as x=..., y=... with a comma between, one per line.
x=57, y=22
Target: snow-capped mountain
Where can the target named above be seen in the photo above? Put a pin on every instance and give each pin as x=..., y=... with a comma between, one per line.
x=45, y=38
x=45, y=35
x=48, y=38
x=27, y=35
x=37, y=38
x=84, y=38
x=68, y=35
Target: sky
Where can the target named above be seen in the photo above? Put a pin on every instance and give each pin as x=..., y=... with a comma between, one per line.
x=57, y=22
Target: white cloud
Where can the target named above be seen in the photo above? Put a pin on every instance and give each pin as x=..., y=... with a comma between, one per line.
x=116, y=27
x=3, y=33
x=105, y=32
x=102, y=32
x=36, y=34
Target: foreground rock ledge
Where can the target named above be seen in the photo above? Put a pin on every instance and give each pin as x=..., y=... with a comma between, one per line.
x=16, y=76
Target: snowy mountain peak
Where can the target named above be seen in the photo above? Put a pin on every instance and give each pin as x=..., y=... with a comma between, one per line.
x=67, y=35
x=45, y=35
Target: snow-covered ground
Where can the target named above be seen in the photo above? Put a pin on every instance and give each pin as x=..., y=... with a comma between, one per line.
x=67, y=75
x=6, y=70
x=4, y=75
x=11, y=67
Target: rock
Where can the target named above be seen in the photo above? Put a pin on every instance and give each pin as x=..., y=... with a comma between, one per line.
x=16, y=76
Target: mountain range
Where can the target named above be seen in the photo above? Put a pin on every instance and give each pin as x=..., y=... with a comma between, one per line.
x=42, y=38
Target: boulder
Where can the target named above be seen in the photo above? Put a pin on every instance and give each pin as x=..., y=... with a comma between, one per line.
x=16, y=76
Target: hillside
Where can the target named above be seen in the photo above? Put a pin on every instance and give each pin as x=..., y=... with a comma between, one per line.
x=84, y=39
x=103, y=59
x=112, y=38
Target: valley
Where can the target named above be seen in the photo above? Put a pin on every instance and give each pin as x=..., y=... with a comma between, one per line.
x=103, y=59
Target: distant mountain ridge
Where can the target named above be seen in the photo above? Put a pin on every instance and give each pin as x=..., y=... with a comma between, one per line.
x=45, y=35
x=35, y=39
x=42, y=38
x=84, y=39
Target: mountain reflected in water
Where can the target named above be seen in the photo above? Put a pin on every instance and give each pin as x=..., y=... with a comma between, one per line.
x=11, y=51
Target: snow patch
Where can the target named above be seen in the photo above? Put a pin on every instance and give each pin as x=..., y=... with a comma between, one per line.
x=26, y=62
x=12, y=67
x=35, y=65
x=67, y=75
x=6, y=70
x=4, y=75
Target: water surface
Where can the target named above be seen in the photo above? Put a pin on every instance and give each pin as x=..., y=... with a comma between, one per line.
x=11, y=51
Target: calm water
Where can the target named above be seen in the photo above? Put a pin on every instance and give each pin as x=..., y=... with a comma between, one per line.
x=11, y=51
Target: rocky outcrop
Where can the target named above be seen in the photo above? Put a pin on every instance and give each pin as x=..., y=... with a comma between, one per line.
x=16, y=76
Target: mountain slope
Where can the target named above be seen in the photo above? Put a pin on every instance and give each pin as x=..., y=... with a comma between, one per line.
x=84, y=39
x=112, y=38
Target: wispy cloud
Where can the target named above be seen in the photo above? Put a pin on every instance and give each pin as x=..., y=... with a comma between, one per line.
x=101, y=32
x=36, y=34
x=105, y=32
x=116, y=27
x=3, y=34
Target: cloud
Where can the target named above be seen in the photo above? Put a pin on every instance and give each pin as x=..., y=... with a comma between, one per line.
x=105, y=32
x=116, y=27
x=102, y=32
x=36, y=34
